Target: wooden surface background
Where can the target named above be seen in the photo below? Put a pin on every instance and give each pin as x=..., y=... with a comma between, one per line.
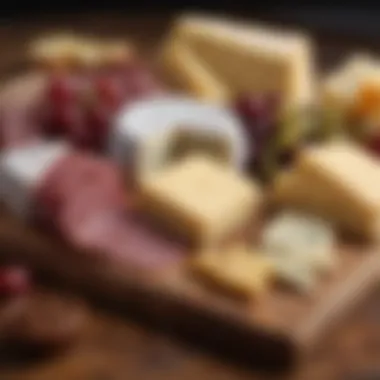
x=118, y=348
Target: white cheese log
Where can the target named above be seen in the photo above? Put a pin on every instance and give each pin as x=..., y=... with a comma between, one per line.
x=22, y=169
x=143, y=133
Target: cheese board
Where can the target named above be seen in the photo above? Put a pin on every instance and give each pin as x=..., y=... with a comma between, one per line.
x=153, y=273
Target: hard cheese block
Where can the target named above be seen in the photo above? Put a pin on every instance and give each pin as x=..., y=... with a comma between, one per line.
x=185, y=69
x=251, y=58
x=21, y=171
x=203, y=201
x=146, y=134
x=236, y=271
x=339, y=181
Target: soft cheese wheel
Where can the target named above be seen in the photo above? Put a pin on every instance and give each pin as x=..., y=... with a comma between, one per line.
x=145, y=133
x=251, y=57
x=21, y=171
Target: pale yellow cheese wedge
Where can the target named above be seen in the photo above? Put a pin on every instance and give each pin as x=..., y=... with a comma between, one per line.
x=339, y=182
x=252, y=58
x=202, y=200
x=187, y=70
x=236, y=271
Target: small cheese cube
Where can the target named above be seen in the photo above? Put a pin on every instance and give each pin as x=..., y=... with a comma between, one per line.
x=251, y=58
x=145, y=134
x=22, y=169
x=200, y=199
x=338, y=181
x=237, y=271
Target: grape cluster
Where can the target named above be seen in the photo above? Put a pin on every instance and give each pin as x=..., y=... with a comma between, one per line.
x=275, y=136
x=79, y=106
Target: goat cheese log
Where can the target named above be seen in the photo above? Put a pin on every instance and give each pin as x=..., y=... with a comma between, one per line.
x=151, y=133
x=81, y=198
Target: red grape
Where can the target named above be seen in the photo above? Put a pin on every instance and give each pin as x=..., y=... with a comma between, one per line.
x=110, y=90
x=14, y=280
x=256, y=108
x=98, y=119
x=61, y=90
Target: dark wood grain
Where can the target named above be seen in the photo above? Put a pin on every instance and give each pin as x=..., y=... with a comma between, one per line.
x=114, y=348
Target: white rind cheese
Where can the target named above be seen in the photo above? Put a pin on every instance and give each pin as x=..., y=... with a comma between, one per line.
x=144, y=133
x=22, y=169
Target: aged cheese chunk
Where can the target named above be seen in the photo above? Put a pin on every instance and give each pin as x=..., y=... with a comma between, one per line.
x=146, y=134
x=200, y=199
x=251, y=58
x=338, y=181
x=236, y=271
x=187, y=71
x=22, y=169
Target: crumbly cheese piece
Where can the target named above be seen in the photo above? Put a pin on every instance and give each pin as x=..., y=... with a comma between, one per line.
x=22, y=169
x=200, y=199
x=146, y=134
x=252, y=58
x=182, y=65
x=300, y=247
x=300, y=237
x=237, y=271
x=338, y=181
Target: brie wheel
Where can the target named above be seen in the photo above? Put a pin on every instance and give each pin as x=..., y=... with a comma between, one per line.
x=151, y=133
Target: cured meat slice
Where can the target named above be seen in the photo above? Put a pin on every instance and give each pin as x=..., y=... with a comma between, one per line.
x=79, y=178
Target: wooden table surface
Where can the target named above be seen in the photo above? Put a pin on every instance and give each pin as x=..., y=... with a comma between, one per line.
x=116, y=348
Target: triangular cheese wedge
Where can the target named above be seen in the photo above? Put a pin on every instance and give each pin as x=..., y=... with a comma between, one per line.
x=339, y=182
x=249, y=58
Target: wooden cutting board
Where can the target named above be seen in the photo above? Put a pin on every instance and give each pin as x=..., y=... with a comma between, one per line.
x=276, y=328
x=202, y=310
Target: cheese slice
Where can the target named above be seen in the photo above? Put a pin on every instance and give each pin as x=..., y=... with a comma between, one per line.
x=339, y=182
x=21, y=171
x=252, y=58
x=182, y=65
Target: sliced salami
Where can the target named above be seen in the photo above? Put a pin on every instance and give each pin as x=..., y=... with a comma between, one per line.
x=79, y=178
